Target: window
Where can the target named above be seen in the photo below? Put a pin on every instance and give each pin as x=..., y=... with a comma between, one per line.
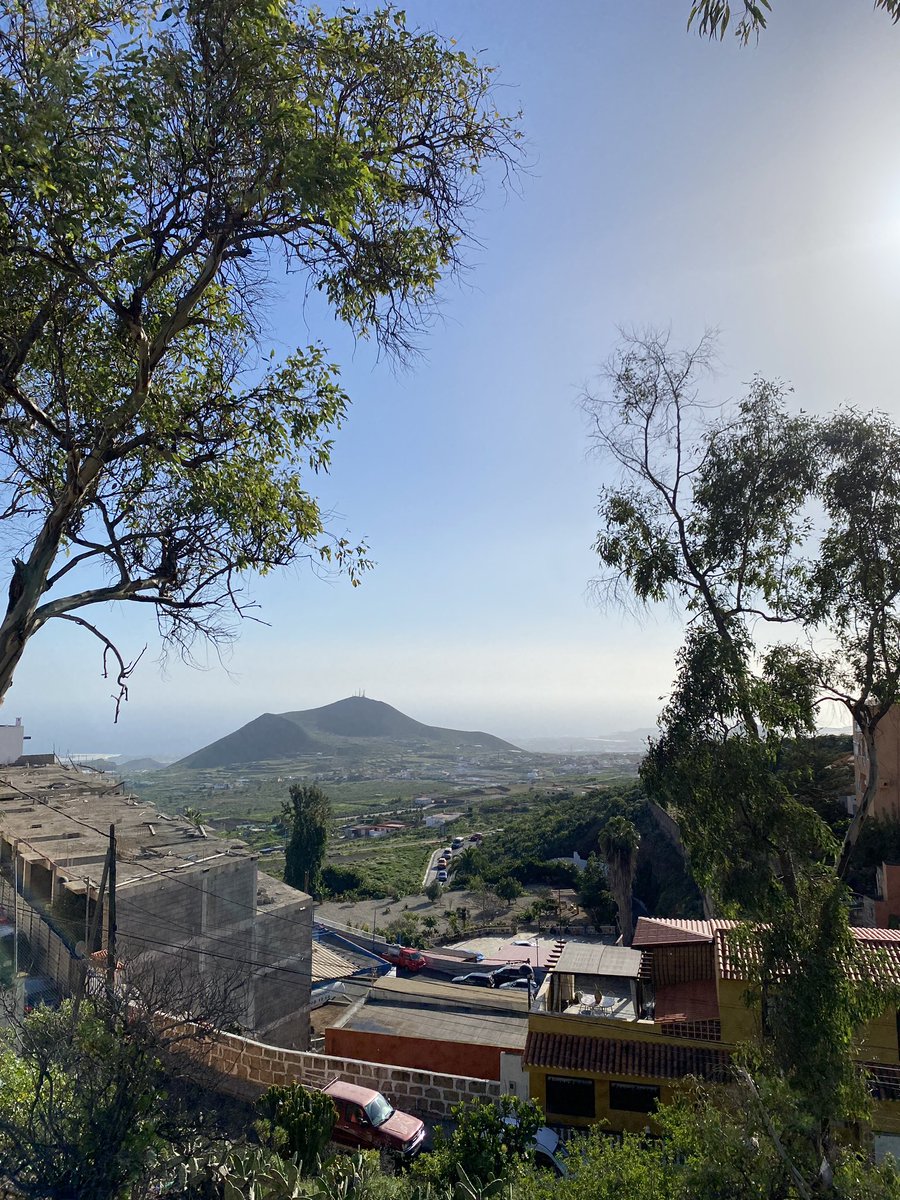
x=570, y=1097
x=633, y=1097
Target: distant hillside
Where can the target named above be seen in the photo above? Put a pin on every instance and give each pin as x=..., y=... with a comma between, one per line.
x=359, y=717
x=352, y=721
x=139, y=764
x=268, y=736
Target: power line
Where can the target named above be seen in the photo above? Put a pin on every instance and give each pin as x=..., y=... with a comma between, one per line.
x=166, y=875
x=179, y=951
x=130, y=904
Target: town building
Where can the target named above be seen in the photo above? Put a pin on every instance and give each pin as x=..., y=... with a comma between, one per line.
x=382, y=829
x=612, y=1031
x=432, y=1025
x=12, y=742
x=184, y=900
x=439, y=820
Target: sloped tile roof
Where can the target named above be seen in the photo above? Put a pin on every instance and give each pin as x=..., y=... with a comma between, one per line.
x=615, y=1056
x=670, y=931
x=738, y=956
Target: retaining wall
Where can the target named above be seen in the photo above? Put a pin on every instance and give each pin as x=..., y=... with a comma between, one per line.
x=246, y=1068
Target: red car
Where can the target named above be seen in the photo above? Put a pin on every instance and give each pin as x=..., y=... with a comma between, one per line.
x=366, y=1120
x=406, y=957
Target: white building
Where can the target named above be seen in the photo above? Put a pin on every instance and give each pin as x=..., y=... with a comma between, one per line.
x=12, y=742
x=438, y=820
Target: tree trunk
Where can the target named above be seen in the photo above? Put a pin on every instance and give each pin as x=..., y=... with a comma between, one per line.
x=867, y=730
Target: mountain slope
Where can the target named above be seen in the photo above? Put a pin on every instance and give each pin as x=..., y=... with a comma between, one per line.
x=351, y=722
x=268, y=736
x=359, y=717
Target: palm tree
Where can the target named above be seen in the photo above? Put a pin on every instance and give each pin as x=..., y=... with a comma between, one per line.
x=619, y=841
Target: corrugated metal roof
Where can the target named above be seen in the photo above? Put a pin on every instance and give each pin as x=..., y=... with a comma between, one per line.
x=597, y=958
x=505, y=1030
x=618, y=1057
x=328, y=965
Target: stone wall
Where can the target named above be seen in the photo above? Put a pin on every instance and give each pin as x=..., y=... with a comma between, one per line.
x=245, y=1068
x=52, y=957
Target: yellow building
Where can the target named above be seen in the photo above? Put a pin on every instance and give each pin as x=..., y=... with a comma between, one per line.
x=613, y=1030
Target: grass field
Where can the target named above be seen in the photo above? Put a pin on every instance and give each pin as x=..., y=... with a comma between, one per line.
x=243, y=802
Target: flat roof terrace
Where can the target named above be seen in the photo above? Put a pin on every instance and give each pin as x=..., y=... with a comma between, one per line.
x=60, y=817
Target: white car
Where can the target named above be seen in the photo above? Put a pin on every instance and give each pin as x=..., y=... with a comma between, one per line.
x=550, y=1151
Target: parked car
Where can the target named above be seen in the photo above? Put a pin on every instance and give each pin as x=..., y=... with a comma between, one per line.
x=442, y=863
x=475, y=978
x=550, y=1151
x=405, y=956
x=446, y=852
x=366, y=1120
x=40, y=991
x=512, y=971
x=8, y=941
x=456, y=843
x=442, y=875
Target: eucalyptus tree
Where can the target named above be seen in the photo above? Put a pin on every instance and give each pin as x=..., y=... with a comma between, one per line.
x=777, y=535
x=619, y=841
x=160, y=166
x=713, y=18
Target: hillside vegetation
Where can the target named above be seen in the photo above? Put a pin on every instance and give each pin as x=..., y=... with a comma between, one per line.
x=557, y=826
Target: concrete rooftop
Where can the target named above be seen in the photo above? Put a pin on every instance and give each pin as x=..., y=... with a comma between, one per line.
x=61, y=815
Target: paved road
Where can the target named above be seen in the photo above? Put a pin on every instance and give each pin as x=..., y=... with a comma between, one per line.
x=431, y=869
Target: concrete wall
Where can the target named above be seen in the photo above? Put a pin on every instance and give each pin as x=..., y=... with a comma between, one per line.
x=246, y=1068
x=218, y=931
x=483, y=1062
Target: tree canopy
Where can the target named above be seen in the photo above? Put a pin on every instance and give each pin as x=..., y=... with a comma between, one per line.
x=713, y=18
x=778, y=537
x=159, y=167
x=307, y=816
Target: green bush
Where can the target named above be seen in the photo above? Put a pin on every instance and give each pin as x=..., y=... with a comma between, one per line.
x=296, y=1122
x=486, y=1144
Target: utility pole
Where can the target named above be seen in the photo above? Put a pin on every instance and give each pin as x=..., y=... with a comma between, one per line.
x=111, y=951
x=92, y=935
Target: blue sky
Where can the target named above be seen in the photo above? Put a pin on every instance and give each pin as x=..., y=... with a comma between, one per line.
x=671, y=182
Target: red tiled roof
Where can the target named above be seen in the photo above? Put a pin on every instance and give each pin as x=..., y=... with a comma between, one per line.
x=864, y=933
x=615, y=1056
x=666, y=931
x=738, y=956
x=693, y=1001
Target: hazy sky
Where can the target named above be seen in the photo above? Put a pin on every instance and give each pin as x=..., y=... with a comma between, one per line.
x=671, y=182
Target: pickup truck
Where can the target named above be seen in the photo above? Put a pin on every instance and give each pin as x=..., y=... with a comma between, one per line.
x=365, y=1119
x=405, y=956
